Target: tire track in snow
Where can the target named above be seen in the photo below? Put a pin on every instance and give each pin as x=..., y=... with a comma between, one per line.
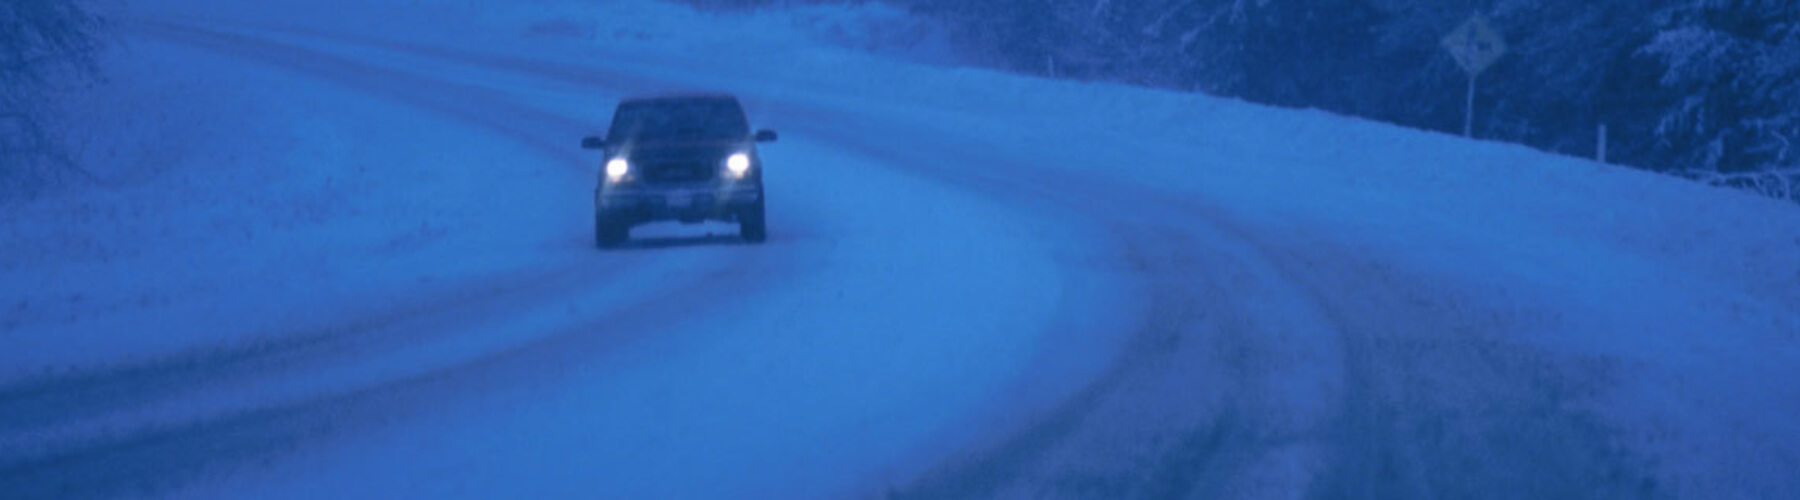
x=1383, y=428
x=1145, y=249
x=1385, y=422
x=1442, y=404
x=149, y=460
x=155, y=460
x=32, y=407
x=1375, y=429
x=451, y=99
x=1201, y=327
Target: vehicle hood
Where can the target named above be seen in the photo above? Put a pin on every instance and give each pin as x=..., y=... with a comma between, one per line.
x=682, y=151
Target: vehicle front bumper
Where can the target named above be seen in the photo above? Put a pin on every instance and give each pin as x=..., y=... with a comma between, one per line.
x=691, y=204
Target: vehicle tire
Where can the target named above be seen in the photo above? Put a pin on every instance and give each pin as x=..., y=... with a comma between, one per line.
x=609, y=232
x=752, y=226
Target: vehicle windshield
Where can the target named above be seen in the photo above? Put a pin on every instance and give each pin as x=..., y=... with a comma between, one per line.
x=679, y=120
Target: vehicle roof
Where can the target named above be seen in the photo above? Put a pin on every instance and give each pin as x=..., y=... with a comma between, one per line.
x=681, y=96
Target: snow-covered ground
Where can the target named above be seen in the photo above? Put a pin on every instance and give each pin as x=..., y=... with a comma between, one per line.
x=344, y=253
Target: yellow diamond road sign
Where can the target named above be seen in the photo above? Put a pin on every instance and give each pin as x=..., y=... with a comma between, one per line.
x=1475, y=45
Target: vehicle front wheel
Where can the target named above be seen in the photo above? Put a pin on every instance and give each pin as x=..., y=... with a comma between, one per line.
x=610, y=232
x=752, y=226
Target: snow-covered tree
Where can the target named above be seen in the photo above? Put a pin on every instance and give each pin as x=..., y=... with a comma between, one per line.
x=42, y=43
x=1679, y=83
x=1735, y=65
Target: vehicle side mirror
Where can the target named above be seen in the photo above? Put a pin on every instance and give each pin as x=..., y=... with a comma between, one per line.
x=593, y=143
x=766, y=136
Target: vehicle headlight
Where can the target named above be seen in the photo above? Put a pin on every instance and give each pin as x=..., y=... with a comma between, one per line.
x=738, y=164
x=617, y=168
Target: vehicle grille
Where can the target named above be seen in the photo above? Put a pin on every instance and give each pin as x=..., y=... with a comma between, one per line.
x=672, y=172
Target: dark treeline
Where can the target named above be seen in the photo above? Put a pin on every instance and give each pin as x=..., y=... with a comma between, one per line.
x=44, y=45
x=1681, y=84
x=1706, y=84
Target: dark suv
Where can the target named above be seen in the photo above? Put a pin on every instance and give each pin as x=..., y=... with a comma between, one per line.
x=688, y=158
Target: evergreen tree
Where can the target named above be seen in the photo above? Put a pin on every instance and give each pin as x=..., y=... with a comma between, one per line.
x=1734, y=65
x=42, y=42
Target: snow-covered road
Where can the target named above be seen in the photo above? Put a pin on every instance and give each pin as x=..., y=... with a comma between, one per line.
x=934, y=317
x=689, y=366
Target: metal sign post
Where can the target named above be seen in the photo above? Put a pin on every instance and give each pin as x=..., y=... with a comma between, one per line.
x=1469, y=108
x=1476, y=47
x=1600, y=149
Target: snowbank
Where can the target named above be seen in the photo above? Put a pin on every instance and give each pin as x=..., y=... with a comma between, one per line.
x=221, y=178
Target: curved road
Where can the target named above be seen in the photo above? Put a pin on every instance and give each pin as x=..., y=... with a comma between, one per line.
x=1179, y=352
